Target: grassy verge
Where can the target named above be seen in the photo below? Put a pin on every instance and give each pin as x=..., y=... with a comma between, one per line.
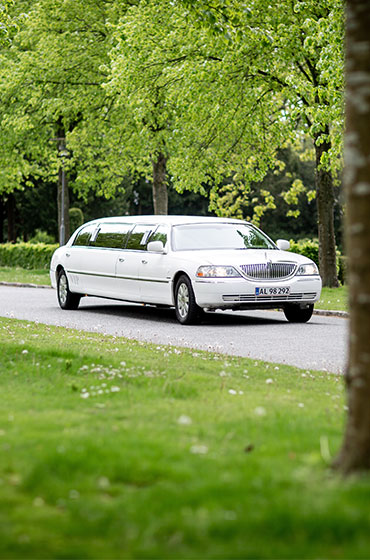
x=334, y=299
x=9, y=274
x=117, y=449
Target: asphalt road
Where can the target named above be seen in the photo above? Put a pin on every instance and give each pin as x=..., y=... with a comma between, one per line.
x=320, y=344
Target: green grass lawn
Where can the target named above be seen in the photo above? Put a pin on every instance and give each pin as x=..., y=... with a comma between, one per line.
x=118, y=449
x=23, y=276
x=334, y=299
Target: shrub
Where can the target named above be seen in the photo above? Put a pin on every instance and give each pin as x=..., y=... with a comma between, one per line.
x=306, y=247
x=26, y=255
x=310, y=249
x=42, y=237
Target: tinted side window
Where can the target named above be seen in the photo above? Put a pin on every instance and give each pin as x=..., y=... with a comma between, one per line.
x=139, y=237
x=83, y=237
x=160, y=234
x=112, y=236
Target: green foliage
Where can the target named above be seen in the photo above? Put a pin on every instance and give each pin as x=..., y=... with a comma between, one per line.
x=41, y=236
x=342, y=269
x=76, y=218
x=26, y=255
x=306, y=247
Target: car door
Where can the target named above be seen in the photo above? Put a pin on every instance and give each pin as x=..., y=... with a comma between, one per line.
x=154, y=271
x=76, y=258
x=101, y=257
x=129, y=262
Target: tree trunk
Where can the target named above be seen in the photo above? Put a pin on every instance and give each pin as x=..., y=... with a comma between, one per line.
x=12, y=237
x=2, y=209
x=325, y=213
x=160, y=195
x=355, y=452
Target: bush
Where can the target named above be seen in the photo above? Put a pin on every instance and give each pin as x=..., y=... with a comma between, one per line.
x=42, y=237
x=310, y=249
x=306, y=247
x=342, y=269
x=27, y=255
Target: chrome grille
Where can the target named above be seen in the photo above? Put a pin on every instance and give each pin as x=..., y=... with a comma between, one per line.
x=251, y=297
x=267, y=271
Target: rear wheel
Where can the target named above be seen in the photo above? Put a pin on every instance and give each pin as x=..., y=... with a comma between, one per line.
x=187, y=311
x=66, y=299
x=297, y=314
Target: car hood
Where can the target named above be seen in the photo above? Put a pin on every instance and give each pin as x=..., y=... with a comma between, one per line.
x=239, y=257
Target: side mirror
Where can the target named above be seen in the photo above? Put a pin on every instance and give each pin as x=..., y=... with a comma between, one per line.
x=283, y=244
x=155, y=247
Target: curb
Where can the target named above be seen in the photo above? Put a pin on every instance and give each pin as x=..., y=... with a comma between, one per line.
x=328, y=313
x=324, y=312
x=24, y=285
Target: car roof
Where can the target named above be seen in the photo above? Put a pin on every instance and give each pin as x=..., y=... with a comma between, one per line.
x=170, y=220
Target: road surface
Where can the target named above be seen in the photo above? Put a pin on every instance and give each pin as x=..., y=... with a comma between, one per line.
x=265, y=335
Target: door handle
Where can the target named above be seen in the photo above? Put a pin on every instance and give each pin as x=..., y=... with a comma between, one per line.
x=144, y=261
x=121, y=260
x=68, y=254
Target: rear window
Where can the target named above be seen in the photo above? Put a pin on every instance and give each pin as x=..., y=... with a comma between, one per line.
x=84, y=235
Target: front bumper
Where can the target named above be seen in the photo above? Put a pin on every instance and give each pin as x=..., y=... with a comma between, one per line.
x=236, y=293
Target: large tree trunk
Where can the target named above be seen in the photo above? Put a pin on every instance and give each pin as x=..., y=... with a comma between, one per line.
x=2, y=210
x=160, y=195
x=355, y=452
x=12, y=236
x=325, y=213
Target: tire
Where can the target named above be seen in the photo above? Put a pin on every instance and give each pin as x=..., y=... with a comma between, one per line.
x=187, y=311
x=66, y=299
x=297, y=314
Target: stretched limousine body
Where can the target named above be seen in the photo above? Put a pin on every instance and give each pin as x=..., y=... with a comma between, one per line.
x=192, y=263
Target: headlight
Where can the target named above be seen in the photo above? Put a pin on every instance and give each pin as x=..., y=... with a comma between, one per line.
x=309, y=269
x=217, y=272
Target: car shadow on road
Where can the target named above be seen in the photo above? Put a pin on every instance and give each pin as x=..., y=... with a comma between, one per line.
x=167, y=315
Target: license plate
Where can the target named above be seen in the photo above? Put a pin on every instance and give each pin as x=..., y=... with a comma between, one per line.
x=272, y=291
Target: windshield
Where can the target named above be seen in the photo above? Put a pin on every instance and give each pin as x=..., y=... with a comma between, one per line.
x=219, y=236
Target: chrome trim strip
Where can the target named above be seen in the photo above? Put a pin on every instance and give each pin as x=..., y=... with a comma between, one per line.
x=118, y=277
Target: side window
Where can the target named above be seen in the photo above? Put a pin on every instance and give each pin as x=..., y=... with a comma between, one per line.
x=160, y=234
x=83, y=237
x=112, y=236
x=139, y=237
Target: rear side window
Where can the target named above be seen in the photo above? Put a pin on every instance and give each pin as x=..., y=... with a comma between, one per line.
x=83, y=237
x=112, y=236
x=139, y=237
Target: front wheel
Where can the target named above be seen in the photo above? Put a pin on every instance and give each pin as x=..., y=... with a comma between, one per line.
x=66, y=299
x=187, y=311
x=297, y=314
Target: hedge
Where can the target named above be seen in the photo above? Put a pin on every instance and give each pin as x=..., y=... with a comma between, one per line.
x=26, y=255
x=310, y=249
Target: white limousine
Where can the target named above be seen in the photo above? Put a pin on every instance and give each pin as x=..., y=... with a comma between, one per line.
x=191, y=263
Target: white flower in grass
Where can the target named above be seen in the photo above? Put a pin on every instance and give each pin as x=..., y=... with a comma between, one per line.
x=114, y=389
x=232, y=392
x=260, y=411
x=24, y=351
x=184, y=420
x=269, y=381
x=301, y=405
x=199, y=449
x=85, y=395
